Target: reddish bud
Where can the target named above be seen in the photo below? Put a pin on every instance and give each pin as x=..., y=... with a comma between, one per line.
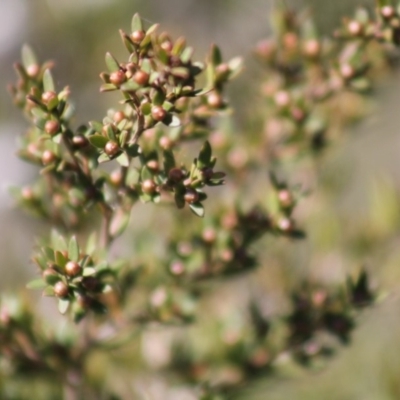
x=52, y=127
x=48, y=96
x=141, y=77
x=48, y=157
x=175, y=175
x=191, y=196
x=215, y=100
x=61, y=289
x=158, y=113
x=137, y=36
x=33, y=70
x=111, y=148
x=119, y=116
x=72, y=268
x=148, y=186
x=117, y=78
x=355, y=28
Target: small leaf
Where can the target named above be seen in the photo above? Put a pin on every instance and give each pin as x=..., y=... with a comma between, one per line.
x=61, y=260
x=37, y=284
x=136, y=24
x=123, y=160
x=197, y=209
x=216, y=57
x=63, y=305
x=96, y=126
x=158, y=98
x=205, y=155
x=130, y=86
x=187, y=54
x=145, y=174
x=98, y=141
x=111, y=62
x=89, y=271
x=73, y=249
x=28, y=56
x=107, y=87
x=169, y=160
x=48, y=83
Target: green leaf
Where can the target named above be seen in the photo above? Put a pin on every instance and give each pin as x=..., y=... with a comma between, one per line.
x=107, y=87
x=136, y=24
x=111, y=62
x=58, y=241
x=63, y=305
x=36, y=284
x=197, y=209
x=158, y=98
x=145, y=174
x=89, y=271
x=73, y=249
x=48, y=83
x=28, y=56
x=98, y=141
x=123, y=160
x=61, y=260
x=205, y=155
x=130, y=86
x=169, y=160
x=216, y=57
x=96, y=126
x=187, y=54
x=133, y=150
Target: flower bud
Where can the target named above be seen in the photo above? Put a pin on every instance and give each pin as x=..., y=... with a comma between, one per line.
x=137, y=36
x=141, y=77
x=52, y=127
x=48, y=157
x=117, y=78
x=158, y=113
x=111, y=148
x=148, y=186
x=61, y=289
x=72, y=268
x=191, y=196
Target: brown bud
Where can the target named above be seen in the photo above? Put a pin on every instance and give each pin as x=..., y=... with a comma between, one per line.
x=72, y=268
x=312, y=48
x=282, y=98
x=215, y=100
x=80, y=141
x=290, y=40
x=355, y=28
x=137, y=36
x=119, y=116
x=116, y=177
x=141, y=77
x=347, y=71
x=117, y=78
x=61, y=289
x=209, y=235
x=48, y=157
x=148, y=186
x=111, y=148
x=52, y=127
x=175, y=175
x=152, y=165
x=48, y=96
x=165, y=142
x=285, y=198
x=27, y=193
x=285, y=225
x=158, y=113
x=191, y=196
x=388, y=12
x=33, y=70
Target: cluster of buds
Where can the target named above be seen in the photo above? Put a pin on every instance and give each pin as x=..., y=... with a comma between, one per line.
x=78, y=282
x=316, y=310
x=306, y=71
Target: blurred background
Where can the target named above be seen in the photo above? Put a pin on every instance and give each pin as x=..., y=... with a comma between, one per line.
x=360, y=172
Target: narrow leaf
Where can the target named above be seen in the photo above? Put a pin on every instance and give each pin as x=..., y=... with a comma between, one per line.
x=63, y=305
x=197, y=209
x=73, y=249
x=111, y=62
x=48, y=83
x=136, y=24
x=28, y=56
x=36, y=284
x=98, y=141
